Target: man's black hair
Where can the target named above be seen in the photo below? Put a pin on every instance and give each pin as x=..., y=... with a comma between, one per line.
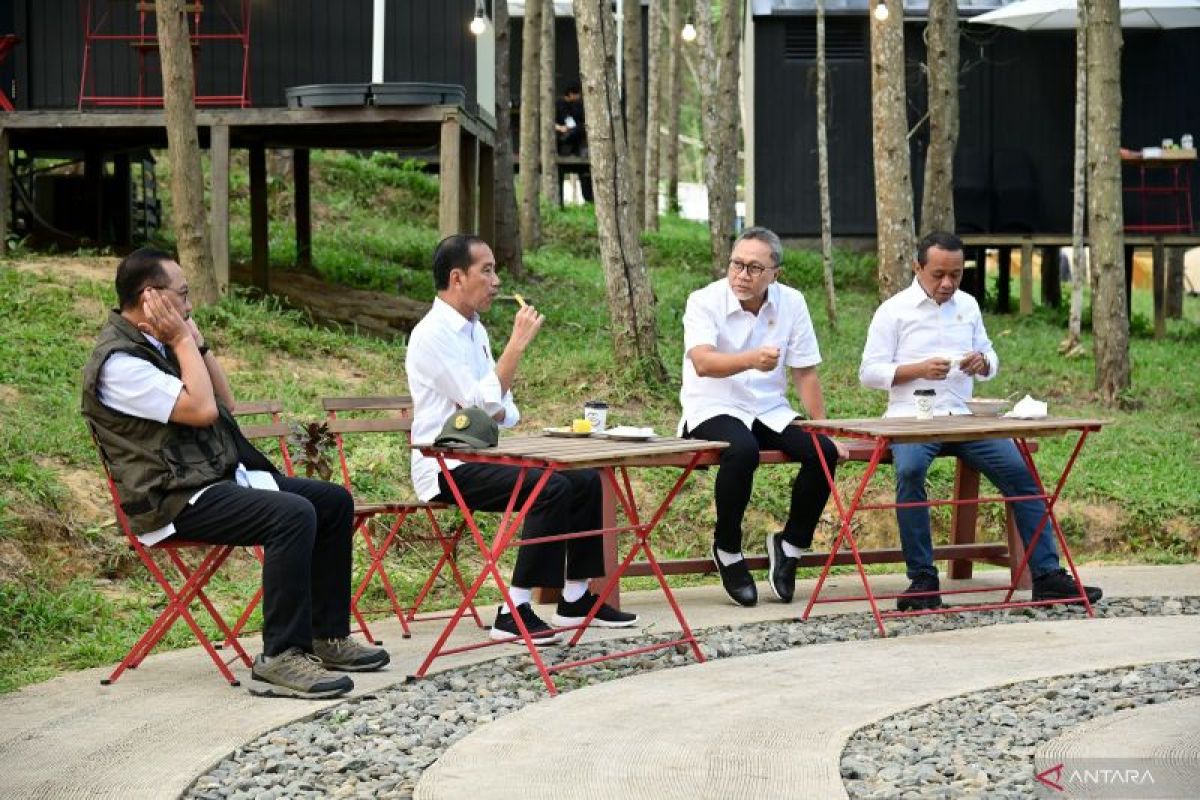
x=573, y=87
x=939, y=239
x=453, y=252
x=138, y=270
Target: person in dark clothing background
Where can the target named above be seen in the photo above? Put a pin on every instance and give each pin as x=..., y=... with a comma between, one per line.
x=572, y=133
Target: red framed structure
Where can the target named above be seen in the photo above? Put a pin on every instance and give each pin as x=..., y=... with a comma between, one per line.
x=101, y=27
x=550, y=455
x=7, y=43
x=1172, y=193
x=883, y=433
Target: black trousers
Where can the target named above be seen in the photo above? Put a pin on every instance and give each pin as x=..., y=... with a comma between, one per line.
x=305, y=531
x=571, y=501
x=735, y=478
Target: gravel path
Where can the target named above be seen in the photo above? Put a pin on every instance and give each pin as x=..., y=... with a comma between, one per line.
x=377, y=746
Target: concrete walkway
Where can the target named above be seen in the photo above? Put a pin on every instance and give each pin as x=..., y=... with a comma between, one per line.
x=159, y=727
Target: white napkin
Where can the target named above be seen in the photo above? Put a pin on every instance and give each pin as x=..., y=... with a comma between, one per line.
x=629, y=430
x=1027, y=408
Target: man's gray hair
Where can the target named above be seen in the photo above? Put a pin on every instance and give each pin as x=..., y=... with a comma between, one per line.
x=767, y=237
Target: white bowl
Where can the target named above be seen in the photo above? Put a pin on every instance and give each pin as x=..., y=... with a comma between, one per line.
x=987, y=407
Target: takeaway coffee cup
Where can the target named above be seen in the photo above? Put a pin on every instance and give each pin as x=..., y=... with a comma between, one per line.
x=924, y=399
x=596, y=412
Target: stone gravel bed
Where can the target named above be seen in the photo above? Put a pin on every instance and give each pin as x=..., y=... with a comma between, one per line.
x=983, y=744
x=377, y=745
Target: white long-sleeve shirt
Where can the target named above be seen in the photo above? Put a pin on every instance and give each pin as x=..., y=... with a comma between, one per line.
x=909, y=327
x=450, y=366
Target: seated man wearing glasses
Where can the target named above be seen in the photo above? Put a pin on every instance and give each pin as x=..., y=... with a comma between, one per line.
x=160, y=406
x=739, y=335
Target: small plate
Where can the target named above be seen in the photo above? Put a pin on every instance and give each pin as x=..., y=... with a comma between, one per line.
x=566, y=433
x=620, y=434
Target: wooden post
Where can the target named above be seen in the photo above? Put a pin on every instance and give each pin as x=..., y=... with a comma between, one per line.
x=1004, y=280
x=1051, y=280
x=487, y=193
x=963, y=518
x=1129, y=253
x=468, y=179
x=259, y=243
x=450, y=159
x=122, y=212
x=1159, y=284
x=218, y=151
x=93, y=193
x=5, y=192
x=1026, y=277
x=1175, y=282
x=302, y=207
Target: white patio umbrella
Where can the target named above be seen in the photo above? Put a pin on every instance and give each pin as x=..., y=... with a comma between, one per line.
x=1059, y=15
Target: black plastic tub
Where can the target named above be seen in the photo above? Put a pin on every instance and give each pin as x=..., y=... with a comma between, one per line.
x=328, y=95
x=418, y=94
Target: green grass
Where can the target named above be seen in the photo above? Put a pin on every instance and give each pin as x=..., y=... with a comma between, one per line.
x=71, y=595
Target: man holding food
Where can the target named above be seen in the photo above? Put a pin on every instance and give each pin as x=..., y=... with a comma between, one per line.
x=450, y=368
x=744, y=336
x=930, y=336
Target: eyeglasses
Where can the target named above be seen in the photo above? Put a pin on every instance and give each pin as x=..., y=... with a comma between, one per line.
x=183, y=293
x=753, y=269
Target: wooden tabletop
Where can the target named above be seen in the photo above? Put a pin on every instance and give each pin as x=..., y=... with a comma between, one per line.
x=964, y=428
x=542, y=450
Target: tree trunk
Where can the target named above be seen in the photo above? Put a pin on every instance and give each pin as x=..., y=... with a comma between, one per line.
x=531, y=125
x=719, y=112
x=1110, y=322
x=549, y=144
x=675, y=78
x=508, y=238
x=654, y=95
x=941, y=41
x=1071, y=345
x=634, y=74
x=893, y=180
x=630, y=298
x=188, y=218
x=823, y=173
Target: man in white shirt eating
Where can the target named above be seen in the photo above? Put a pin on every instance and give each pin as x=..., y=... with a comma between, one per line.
x=450, y=367
x=931, y=336
x=744, y=336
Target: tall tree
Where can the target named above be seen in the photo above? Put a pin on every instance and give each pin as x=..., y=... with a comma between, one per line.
x=655, y=84
x=549, y=142
x=941, y=44
x=720, y=113
x=823, y=172
x=531, y=125
x=1071, y=345
x=635, y=112
x=1110, y=321
x=889, y=128
x=188, y=218
x=508, y=237
x=675, y=77
x=630, y=298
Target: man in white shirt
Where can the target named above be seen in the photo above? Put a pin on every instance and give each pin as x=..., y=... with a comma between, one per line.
x=161, y=409
x=931, y=336
x=744, y=335
x=450, y=367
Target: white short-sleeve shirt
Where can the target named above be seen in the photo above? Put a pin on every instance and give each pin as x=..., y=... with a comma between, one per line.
x=714, y=316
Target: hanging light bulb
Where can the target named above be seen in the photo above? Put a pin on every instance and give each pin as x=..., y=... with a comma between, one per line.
x=881, y=11
x=479, y=24
x=688, y=34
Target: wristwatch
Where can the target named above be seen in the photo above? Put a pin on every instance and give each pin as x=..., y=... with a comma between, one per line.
x=203, y=350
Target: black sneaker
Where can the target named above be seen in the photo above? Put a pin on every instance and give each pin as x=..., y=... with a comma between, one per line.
x=505, y=627
x=782, y=573
x=922, y=583
x=575, y=613
x=1059, y=585
x=736, y=579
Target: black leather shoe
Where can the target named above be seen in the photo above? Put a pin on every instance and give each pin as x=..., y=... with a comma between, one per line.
x=736, y=579
x=922, y=583
x=1059, y=585
x=783, y=568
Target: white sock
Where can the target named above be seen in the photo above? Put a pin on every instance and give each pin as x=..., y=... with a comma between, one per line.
x=728, y=558
x=519, y=597
x=792, y=551
x=573, y=590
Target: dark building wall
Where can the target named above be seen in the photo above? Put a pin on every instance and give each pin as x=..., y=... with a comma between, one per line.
x=293, y=42
x=1014, y=163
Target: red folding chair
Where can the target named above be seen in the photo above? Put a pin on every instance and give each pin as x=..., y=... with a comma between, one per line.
x=179, y=598
x=399, y=512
